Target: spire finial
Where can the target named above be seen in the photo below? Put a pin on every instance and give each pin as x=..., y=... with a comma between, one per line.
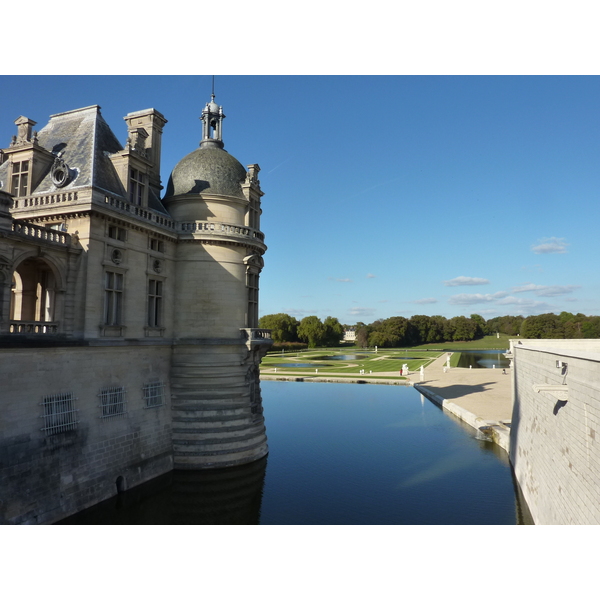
x=212, y=119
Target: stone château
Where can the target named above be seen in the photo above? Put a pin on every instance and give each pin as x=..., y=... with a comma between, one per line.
x=129, y=339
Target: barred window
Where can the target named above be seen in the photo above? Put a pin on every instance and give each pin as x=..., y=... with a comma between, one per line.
x=154, y=394
x=112, y=401
x=59, y=413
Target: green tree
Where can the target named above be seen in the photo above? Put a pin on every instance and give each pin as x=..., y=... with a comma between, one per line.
x=284, y=328
x=481, y=325
x=312, y=331
x=362, y=335
x=420, y=326
x=544, y=326
x=334, y=331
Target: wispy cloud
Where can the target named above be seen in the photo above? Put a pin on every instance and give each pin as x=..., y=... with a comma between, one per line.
x=466, y=299
x=425, y=301
x=526, y=304
x=466, y=281
x=550, y=245
x=361, y=311
x=371, y=276
x=547, y=291
x=340, y=279
x=279, y=165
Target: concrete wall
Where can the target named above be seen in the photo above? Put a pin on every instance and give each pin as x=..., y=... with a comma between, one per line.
x=555, y=432
x=46, y=477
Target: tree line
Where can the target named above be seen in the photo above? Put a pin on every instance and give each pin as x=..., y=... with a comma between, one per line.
x=310, y=330
x=422, y=329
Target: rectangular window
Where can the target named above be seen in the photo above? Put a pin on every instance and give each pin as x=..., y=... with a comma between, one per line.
x=20, y=178
x=113, y=298
x=136, y=186
x=59, y=413
x=112, y=401
x=154, y=303
x=154, y=394
x=157, y=245
x=252, y=285
x=117, y=233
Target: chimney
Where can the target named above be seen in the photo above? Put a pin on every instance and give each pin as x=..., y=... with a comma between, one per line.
x=152, y=122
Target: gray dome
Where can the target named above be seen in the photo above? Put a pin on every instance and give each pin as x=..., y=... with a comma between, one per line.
x=209, y=170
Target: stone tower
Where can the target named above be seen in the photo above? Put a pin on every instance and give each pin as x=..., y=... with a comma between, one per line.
x=216, y=406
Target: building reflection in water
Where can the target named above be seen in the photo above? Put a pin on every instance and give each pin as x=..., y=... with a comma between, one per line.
x=229, y=496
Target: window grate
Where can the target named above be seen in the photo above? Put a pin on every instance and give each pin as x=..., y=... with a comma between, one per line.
x=154, y=394
x=112, y=401
x=59, y=414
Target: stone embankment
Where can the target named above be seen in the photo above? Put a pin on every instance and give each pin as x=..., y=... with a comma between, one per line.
x=480, y=397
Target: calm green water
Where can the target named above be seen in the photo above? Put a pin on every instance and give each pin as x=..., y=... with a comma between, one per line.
x=339, y=454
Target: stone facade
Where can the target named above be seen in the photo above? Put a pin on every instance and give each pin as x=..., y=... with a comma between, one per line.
x=128, y=322
x=555, y=430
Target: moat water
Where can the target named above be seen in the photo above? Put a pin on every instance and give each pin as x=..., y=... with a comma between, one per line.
x=343, y=454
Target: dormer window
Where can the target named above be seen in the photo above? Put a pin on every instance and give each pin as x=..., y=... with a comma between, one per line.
x=20, y=178
x=136, y=186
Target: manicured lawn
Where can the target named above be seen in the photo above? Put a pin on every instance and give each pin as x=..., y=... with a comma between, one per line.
x=489, y=342
x=384, y=361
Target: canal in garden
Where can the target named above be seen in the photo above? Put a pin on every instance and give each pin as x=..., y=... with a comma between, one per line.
x=345, y=454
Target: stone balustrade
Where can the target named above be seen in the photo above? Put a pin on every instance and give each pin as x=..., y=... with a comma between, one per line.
x=139, y=211
x=216, y=228
x=30, y=201
x=256, y=334
x=33, y=327
x=42, y=233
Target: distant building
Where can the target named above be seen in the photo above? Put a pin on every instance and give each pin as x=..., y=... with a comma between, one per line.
x=349, y=334
x=129, y=340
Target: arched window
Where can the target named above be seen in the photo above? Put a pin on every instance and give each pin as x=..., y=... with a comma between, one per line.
x=33, y=298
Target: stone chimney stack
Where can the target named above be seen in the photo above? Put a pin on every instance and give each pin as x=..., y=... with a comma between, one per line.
x=152, y=122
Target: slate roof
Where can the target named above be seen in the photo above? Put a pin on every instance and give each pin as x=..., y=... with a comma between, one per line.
x=209, y=170
x=86, y=141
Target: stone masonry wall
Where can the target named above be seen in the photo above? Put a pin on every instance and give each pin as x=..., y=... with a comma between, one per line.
x=43, y=477
x=555, y=444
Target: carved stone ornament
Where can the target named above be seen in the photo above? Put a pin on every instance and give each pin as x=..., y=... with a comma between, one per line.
x=116, y=256
x=60, y=172
x=157, y=266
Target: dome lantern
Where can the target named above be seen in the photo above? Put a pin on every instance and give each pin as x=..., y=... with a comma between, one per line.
x=212, y=124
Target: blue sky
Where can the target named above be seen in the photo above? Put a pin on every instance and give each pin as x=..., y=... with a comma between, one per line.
x=389, y=195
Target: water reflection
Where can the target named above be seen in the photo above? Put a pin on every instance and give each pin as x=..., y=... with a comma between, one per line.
x=214, y=497
x=483, y=359
x=339, y=454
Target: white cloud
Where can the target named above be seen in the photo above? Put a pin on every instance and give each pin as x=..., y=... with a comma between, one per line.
x=371, y=276
x=466, y=281
x=425, y=301
x=546, y=291
x=361, y=312
x=550, y=245
x=340, y=279
x=526, y=304
x=466, y=299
